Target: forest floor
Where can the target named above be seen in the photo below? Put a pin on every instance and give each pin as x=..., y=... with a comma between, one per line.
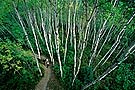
x=43, y=82
x=49, y=81
x=53, y=83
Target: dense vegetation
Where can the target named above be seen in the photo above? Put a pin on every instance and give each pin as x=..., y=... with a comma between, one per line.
x=91, y=43
x=18, y=71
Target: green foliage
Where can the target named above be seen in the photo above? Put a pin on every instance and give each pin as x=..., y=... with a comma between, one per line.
x=18, y=70
x=17, y=67
x=121, y=79
x=125, y=77
x=5, y=8
x=8, y=22
x=66, y=80
x=86, y=75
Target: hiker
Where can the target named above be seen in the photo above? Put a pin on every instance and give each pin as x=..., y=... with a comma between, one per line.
x=47, y=63
x=44, y=62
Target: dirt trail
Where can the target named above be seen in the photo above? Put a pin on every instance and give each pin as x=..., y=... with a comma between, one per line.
x=43, y=82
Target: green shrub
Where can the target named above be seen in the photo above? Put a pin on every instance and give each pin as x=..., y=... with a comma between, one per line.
x=121, y=79
x=18, y=70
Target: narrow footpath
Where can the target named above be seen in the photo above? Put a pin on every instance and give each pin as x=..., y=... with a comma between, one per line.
x=43, y=82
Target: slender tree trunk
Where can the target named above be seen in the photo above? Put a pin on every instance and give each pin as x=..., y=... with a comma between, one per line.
x=26, y=35
x=57, y=38
x=67, y=33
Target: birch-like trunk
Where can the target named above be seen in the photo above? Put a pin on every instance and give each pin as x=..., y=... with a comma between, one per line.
x=74, y=37
x=124, y=56
x=45, y=35
x=26, y=35
x=57, y=41
x=77, y=33
x=35, y=37
x=67, y=33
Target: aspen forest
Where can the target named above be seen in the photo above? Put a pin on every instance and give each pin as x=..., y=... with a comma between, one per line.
x=67, y=44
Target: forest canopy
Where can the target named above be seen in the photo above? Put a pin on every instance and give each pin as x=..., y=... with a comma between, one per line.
x=89, y=43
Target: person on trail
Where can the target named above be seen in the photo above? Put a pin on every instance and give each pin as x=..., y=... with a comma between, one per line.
x=44, y=62
x=47, y=63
